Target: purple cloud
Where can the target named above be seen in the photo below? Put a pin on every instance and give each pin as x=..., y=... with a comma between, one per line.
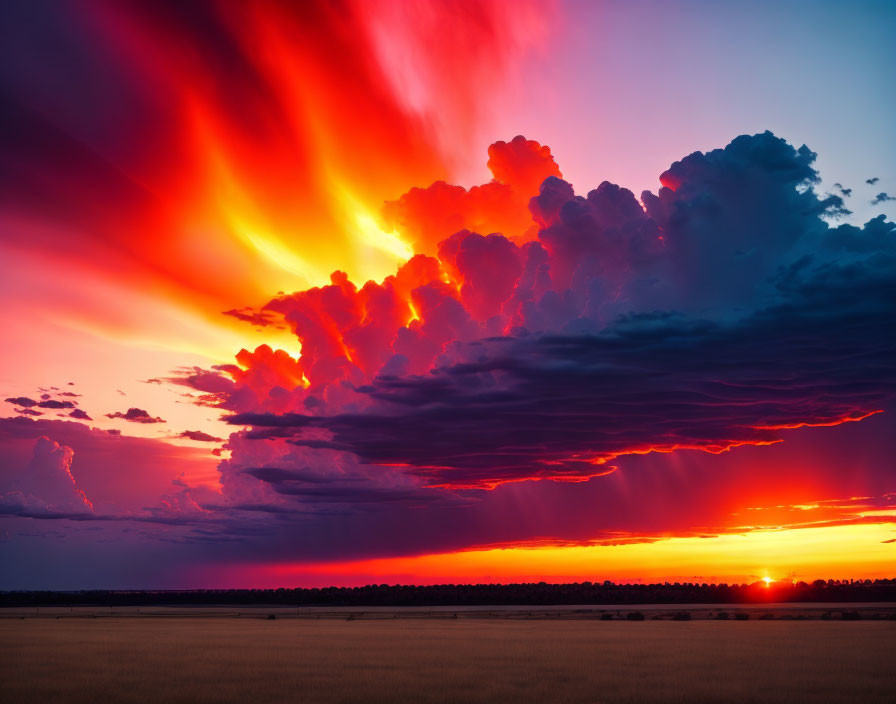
x=199, y=436
x=135, y=415
x=22, y=401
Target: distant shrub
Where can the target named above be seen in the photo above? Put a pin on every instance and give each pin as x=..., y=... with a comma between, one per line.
x=767, y=617
x=271, y=617
x=635, y=616
x=682, y=616
x=850, y=616
x=826, y=616
x=741, y=616
x=606, y=617
x=722, y=616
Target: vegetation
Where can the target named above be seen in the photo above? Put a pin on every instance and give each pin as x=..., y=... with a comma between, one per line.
x=479, y=594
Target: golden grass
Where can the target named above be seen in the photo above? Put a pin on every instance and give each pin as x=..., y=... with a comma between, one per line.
x=248, y=660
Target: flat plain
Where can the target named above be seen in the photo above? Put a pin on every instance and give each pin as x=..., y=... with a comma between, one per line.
x=197, y=659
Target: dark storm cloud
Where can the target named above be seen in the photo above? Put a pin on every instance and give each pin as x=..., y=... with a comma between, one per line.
x=547, y=406
x=315, y=488
x=273, y=475
x=882, y=198
x=872, y=181
x=559, y=405
x=10, y=508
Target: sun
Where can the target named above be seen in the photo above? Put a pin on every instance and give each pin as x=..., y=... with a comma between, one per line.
x=768, y=581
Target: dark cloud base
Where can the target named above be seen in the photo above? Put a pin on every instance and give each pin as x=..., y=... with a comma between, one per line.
x=552, y=406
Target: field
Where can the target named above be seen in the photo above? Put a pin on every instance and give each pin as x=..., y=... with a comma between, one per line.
x=198, y=659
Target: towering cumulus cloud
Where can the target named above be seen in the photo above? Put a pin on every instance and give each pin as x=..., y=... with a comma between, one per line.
x=47, y=486
x=540, y=334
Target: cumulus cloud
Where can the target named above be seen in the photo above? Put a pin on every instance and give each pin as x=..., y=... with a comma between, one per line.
x=872, y=181
x=79, y=414
x=426, y=216
x=709, y=315
x=124, y=479
x=882, y=198
x=135, y=415
x=47, y=484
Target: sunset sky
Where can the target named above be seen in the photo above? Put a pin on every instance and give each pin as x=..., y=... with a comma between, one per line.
x=362, y=291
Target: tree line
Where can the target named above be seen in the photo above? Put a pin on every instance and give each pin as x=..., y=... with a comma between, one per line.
x=540, y=593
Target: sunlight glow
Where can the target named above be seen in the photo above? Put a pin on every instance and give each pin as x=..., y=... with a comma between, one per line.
x=857, y=550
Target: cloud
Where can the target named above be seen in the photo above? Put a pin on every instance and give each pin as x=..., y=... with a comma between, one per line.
x=52, y=403
x=79, y=414
x=135, y=415
x=426, y=216
x=563, y=406
x=259, y=318
x=46, y=401
x=311, y=488
x=723, y=312
x=882, y=198
x=22, y=401
x=845, y=192
x=872, y=181
x=47, y=485
x=126, y=478
x=199, y=436
x=710, y=318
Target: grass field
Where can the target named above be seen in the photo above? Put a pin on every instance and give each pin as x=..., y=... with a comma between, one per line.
x=250, y=660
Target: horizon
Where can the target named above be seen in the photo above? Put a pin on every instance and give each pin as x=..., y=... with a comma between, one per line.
x=761, y=583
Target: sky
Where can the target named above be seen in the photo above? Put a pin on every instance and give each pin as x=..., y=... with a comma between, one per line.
x=446, y=291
